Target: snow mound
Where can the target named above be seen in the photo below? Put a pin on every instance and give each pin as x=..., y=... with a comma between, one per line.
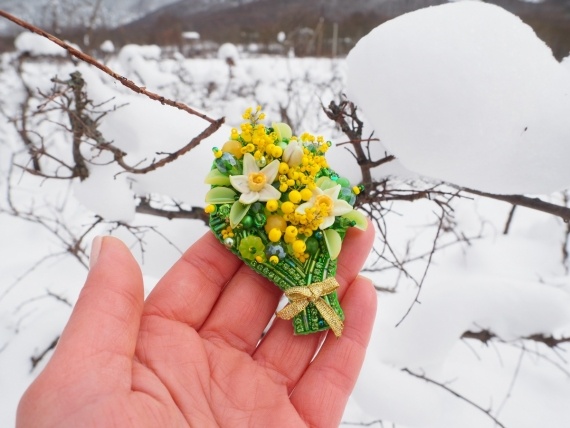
x=228, y=52
x=36, y=45
x=107, y=194
x=466, y=93
x=107, y=46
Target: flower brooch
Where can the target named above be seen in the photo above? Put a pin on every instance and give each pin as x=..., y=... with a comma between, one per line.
x=276, y=204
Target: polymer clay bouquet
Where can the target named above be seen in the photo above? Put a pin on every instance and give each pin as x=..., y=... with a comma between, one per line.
x=276, y=204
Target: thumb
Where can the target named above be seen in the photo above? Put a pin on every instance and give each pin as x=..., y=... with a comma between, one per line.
x=106, y=317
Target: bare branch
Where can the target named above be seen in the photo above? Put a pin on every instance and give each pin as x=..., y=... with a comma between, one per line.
x=37, y=359
x=525, y=201
x=145, y=207
x=90, y=60
x=486, y=335
x=456, y=394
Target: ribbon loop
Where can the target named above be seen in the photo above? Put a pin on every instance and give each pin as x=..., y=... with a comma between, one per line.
x=301, y=297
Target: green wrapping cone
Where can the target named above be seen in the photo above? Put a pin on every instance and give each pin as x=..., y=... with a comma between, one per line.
x=290, y=272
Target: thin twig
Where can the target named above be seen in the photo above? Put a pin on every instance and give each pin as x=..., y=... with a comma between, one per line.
x=456, y=394
x=90, y=60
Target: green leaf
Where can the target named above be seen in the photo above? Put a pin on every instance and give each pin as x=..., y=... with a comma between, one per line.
x=334, y=242
x=220, y=195
x=359, y=218
x=216, y=178
x=325, y=183
x=282, y=130
x=237, y=213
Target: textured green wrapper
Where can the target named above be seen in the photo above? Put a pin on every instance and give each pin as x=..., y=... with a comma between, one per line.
x=290, y=272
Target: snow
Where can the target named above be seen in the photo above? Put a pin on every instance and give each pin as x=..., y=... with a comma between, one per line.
x=36, y=45
x=228, y=51
x=191, y=35
x=117, y=204
x=467, y=94
x=107, y=46
x=515, y=285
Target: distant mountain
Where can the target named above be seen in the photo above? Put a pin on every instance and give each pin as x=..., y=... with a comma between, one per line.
x=262, y=20
x=259, y=21
x=70, y=13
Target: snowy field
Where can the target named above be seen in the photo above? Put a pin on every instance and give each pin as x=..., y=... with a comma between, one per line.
x=422, y=370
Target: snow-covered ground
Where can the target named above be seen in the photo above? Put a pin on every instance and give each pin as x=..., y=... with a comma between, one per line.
x=515, y=285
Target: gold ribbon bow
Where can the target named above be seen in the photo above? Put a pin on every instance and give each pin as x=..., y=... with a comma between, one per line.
x=300, y=297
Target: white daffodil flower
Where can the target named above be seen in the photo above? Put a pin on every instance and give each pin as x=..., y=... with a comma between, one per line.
x=255, y=185
x=293, y=153
x=326, y=205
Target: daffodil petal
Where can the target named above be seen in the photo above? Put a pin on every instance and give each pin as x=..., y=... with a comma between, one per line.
x=341, y=207
x=327, y=222
x=249, y=198
x=239, y=182
x=301, y=208
x=269, y=192
x=333, y=192
x=249, y=164
x=270, y=171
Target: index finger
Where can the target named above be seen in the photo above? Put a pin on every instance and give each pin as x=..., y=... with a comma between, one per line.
x=192, y=286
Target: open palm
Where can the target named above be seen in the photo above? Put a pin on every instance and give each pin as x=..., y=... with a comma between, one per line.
x=193, y=354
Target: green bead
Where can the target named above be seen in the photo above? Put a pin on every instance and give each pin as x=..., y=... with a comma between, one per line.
x=312, y=245
x=343, y=182
x=259, y=220
x=247, y=222
x=224, y=210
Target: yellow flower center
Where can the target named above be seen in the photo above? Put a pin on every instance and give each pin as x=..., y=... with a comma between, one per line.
x=256, y=181
x=324, y=204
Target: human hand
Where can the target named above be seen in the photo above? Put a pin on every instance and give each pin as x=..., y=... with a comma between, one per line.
x=191, y=354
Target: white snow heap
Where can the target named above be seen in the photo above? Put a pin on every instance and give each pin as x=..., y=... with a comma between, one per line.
x=37, y=45
x=107, y=46
x=466, y=93
x=228, y=52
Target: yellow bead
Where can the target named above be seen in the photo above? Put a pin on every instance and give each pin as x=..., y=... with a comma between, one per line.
x=283, y=168
x=274, y=259
x=277, y=151
x=306, y=194
x=272, y=205
x=295, y=196
x=356, y=190
x=232, y=147
x=259, y=259
x=275, y=221
x=291, y=231
x=287, y=207
x=299, y=246
x=283, y=187
x=210, y=209
x=274, y=235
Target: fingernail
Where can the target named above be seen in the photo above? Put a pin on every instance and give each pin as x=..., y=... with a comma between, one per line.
x=95, y=249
